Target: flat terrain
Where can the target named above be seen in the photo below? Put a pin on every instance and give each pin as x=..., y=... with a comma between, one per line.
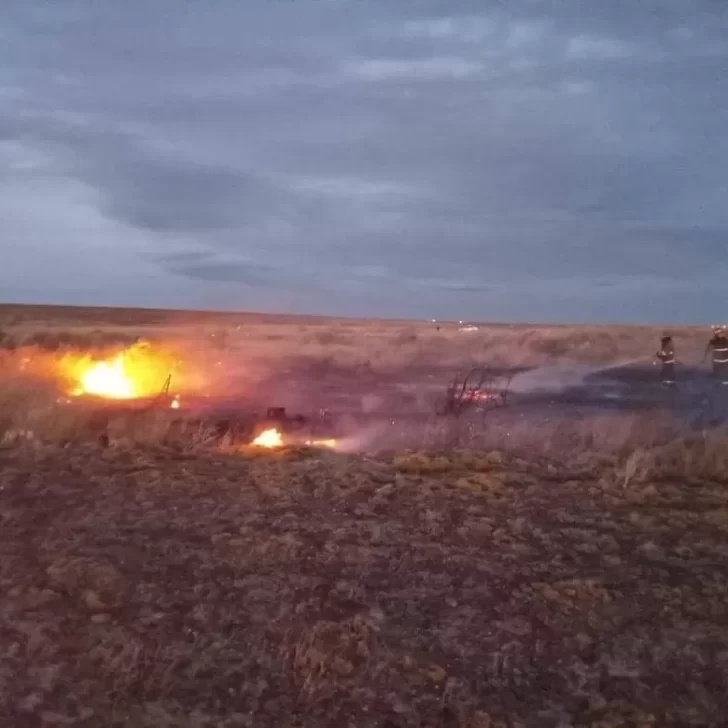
x=149, y=588
x=523, y=571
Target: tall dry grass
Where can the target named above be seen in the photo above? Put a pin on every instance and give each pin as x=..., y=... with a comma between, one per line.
x=636, y=443
x=377, y=345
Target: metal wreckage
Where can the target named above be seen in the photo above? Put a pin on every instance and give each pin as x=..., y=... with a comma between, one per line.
x=476, y=388
x=696, y=396
x=472, y=392
x=232, y=421
x=220, y=420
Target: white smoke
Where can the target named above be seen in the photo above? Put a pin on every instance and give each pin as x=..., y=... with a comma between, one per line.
x=549, y=379
x=555, y=379
x=363, y=439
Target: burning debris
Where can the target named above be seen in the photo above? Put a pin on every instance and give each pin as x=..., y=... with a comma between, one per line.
x=273, y=439
x=145, y=391
x=269, y=438
x=278, y=430
x=107, y=379
x=476, y=389
x=329, y=442
x=138, y=372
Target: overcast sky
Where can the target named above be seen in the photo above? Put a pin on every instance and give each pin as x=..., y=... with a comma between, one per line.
x=513, y=160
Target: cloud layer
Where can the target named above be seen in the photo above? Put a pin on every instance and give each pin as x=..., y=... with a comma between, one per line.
x=531, y=160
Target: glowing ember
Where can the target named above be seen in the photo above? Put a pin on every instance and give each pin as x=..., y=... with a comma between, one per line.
x=331, y=442
x=138, y=371
x=269, y=438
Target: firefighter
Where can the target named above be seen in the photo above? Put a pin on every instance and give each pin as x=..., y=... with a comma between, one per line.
x=666, y=356
x=719, y=345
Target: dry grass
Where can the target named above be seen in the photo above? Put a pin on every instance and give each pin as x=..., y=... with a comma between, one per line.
x=566, y=575
x=376, y=345
x=148, y=587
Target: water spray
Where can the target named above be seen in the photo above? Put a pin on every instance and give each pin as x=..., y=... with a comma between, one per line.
x=554, y=379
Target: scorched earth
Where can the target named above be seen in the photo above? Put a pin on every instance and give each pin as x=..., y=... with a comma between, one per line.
x=545, y=566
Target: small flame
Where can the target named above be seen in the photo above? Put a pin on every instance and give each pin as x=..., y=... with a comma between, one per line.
x=175, y=403
x=330, y=442
x=269, y=438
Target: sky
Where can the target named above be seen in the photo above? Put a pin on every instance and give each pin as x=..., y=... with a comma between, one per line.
x=511, y=160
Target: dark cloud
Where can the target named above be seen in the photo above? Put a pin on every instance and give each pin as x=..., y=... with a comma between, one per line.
x=393, y=158
x=248, y=275
x=209, y=267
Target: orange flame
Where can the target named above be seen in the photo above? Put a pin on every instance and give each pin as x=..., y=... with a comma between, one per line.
x=107, y=379
x=328, y=442
x=269, y=438
x=138, y=371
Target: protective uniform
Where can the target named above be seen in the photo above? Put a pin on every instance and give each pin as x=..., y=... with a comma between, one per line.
x=666, y=356
x=719, y=345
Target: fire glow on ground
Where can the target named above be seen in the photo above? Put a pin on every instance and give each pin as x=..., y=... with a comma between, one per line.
x=272, y=438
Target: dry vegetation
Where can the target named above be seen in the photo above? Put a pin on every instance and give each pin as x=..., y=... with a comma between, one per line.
x=373, y=345
x=571, y=576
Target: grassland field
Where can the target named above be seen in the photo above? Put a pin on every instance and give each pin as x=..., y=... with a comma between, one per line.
x=574, y=573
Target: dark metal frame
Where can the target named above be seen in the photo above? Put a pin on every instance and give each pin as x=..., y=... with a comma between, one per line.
x=475, y=389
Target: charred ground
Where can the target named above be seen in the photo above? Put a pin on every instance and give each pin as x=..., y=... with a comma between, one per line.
x=565, y=568
x=153, y=588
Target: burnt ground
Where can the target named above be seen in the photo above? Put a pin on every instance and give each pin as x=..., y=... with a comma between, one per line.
x=401, y=405
x=147, y=587
x=153, y=588
x=627, y=387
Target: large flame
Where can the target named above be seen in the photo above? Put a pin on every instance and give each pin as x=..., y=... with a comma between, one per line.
x=107, y=379
x=269, y=438
x=139, y=371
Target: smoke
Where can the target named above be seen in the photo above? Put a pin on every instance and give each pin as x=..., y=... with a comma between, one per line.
x=549, y=379
x=363, y=439
x=554, y=379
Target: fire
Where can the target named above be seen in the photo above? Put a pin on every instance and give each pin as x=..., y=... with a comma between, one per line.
x=272, y=438
x=107, y=379
x=269, y=438
x=329, y=442
x=139, y=371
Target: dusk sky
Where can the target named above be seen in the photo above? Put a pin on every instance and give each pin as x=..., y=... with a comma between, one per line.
x=513, y=160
